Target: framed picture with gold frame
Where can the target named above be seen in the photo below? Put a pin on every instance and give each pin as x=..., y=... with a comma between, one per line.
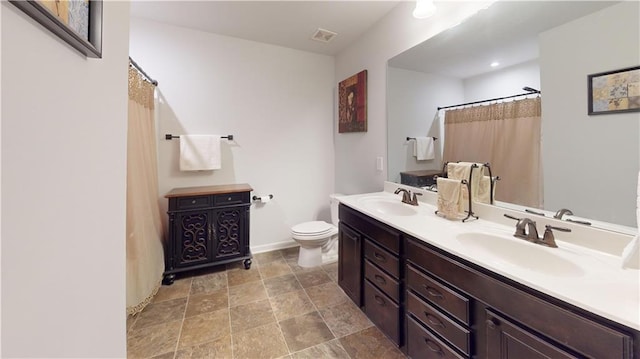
x=77, y=22
x=352, y=103
x=614, y=91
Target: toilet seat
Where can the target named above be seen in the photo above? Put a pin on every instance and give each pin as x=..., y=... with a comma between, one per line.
x=313, y=230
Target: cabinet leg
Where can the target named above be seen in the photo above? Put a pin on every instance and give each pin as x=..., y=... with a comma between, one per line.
x=247, y=263
x=168, y=279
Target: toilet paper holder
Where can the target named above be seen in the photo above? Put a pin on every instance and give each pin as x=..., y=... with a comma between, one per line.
x=260, y=198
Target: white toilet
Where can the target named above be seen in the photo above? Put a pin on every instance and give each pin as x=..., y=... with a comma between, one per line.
x=318, y=239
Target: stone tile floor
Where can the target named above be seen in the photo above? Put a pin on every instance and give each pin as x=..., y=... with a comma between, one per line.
x=276, y=309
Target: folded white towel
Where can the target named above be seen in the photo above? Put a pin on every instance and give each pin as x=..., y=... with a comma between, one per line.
x=483, y=193
x=423, y=149
x=200, y=152
x=450, y=203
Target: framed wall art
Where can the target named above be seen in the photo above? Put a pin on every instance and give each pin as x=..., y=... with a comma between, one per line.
x=614, y=91
x=77, y=22
x=352, y=103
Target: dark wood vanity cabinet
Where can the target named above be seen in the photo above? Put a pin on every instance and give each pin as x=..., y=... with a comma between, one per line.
x=433, y=304
x=482, y=315
x=373, y=280
x=207, y=226
x=350, y=263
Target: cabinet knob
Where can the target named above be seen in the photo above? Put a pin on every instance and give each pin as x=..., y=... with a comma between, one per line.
x=193, y=201
x=492, y=323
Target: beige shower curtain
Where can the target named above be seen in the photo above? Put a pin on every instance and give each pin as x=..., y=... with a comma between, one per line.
x=507, y=136
x=145, y=256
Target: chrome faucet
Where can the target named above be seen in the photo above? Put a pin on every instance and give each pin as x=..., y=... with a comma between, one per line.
x=406, y=196
x=562, y=212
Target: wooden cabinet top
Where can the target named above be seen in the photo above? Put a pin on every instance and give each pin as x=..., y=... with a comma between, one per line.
x=207, y=190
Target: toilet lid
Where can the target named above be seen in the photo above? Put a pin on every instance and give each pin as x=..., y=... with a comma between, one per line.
x=315, y=227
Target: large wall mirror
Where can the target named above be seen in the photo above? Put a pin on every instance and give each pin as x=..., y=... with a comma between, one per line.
x=589, y=164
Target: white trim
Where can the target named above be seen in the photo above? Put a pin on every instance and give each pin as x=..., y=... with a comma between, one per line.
x=273, y=246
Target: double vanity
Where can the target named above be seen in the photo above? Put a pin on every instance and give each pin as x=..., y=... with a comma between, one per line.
x=447, y=289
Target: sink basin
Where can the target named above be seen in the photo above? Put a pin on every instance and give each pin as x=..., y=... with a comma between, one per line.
x=517, y=252
x=388, y=206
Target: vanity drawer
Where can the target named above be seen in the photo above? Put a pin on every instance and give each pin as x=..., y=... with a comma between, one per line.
x=382, y=280
x=441, y=296
x=433, y=319
x=382, y=311
x=422, y=344
x=231, y=198
x=193, y=202
x=382, y=258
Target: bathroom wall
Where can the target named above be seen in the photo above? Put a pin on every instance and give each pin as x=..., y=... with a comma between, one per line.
x=278, y=104
x=412, y=102
x=606, y=173
x=356, y=153
x=502, y=82
x=64, y=136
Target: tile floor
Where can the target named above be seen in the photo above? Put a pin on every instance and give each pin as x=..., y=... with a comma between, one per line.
x=276, y=309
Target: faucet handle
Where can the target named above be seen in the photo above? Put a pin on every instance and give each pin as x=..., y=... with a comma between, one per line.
x=414, y=200
x=512, y=217
x=548, y=239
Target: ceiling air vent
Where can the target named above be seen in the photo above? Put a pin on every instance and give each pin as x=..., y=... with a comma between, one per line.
x=323, y=35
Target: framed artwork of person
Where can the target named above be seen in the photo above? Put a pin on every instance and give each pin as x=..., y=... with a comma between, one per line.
x=352, y=103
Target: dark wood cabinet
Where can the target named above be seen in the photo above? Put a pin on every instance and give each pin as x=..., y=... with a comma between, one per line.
x=436, y=305
x=509, y=320
x=207, y=226
x=377, y=286
x=350, y=263
x=506, y=340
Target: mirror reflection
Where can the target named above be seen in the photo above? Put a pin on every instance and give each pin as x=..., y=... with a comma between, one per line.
x=564, y=158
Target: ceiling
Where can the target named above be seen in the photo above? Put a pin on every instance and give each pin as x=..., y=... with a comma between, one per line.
x=284, y=23
x=506, y=32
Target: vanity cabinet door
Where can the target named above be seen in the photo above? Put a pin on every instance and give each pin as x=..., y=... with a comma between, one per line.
x=506, y=340
x=350, y=263
x=193, y=238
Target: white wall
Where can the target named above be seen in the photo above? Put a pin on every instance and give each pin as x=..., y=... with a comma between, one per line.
x=278, y=104
x=502, y=82
x=412, y=102
x=398, y=31
x=592, y=160
x=64, y=135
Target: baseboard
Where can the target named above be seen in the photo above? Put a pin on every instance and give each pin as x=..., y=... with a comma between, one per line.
x=273, y=246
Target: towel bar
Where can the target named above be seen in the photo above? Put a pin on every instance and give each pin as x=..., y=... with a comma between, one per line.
x=169, y=136
x=413, y=138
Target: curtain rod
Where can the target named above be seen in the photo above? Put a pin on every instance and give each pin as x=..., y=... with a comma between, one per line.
x=146, y=77
x=531, y=91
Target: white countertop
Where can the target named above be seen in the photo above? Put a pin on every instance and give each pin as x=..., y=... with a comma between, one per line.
x=594, y=280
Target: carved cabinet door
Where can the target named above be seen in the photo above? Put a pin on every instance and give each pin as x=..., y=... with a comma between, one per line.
x=193, y=232
x=229, y=232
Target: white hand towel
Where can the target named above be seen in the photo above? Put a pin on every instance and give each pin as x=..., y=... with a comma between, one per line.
x=450, y=203
x=200, y=152
x=483, y=194
x=631, y=253
x=423, y=149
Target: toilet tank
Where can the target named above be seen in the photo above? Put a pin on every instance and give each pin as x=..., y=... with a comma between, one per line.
x=334, y=203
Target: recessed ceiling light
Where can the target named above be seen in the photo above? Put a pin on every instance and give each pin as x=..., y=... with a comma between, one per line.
x=495, y=64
